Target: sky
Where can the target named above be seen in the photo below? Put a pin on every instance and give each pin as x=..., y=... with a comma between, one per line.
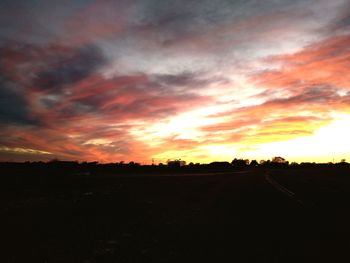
x=209, y=80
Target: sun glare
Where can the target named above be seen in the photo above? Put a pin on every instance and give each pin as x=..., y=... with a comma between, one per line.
x=325, y=144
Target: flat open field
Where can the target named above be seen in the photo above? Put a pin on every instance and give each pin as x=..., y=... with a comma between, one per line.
x=292, y=215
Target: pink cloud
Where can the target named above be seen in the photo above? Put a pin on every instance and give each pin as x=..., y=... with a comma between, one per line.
x=325, y=63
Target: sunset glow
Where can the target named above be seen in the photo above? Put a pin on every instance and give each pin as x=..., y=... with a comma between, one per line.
x=203, y=81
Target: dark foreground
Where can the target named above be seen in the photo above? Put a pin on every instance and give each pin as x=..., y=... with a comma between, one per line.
x=238, y=217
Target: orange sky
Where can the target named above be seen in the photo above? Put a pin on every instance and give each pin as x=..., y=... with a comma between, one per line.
x=114, y=81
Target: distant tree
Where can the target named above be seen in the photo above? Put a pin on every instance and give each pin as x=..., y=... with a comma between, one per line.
x=133, y=164
x=239, y=162
x=253, y=163
x=220, y=165
x=176, y=163
x=265, y=163
x=278, y=159
x=278, y=162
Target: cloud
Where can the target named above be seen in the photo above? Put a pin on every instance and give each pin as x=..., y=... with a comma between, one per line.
x=279, y=118
x=14, y=108
x=137, y=96
x=23, y=154
x=35, y=76
x=124, y=80
x=49, y=66
x=69, y=67
x=81, y=112
x=91, y=119
x=323, y=63
x=94, y=21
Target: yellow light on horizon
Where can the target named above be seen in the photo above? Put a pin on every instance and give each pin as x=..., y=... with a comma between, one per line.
x=328, y=142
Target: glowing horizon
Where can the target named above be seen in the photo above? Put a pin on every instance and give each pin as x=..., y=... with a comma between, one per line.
x=114, y=81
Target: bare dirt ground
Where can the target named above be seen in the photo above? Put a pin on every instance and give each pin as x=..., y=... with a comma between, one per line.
x=236, y=217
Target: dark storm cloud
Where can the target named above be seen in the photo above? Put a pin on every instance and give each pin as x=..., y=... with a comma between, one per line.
x=177, y=80
x=36, y=21
x=344, y=22
x=48, y=67
x=13, y=106
x=177, y=20
x=189, y=80
x=191, y=15
x=64, y=69
x=27, y=68
x=76, y=109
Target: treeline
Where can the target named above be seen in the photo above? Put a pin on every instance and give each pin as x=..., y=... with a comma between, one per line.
x=57, y=167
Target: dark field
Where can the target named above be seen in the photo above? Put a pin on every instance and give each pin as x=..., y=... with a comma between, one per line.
x=236, y=217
